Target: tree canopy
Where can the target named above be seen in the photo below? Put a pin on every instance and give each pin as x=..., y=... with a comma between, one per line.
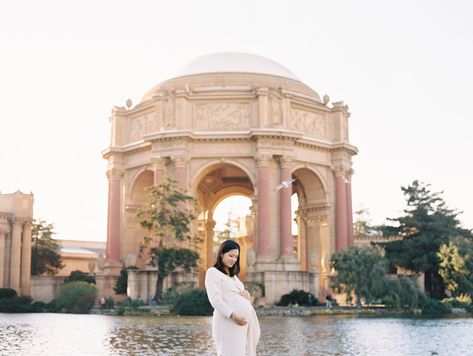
x=167, y=216
x=360, y=271
x=426, y=225
x=45, y=251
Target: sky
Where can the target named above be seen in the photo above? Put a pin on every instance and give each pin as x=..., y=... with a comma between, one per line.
x=403, y=67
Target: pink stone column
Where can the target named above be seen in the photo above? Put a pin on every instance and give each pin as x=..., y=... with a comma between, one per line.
x=263, y=206
x=285, y=211
x=159, y=169
x=16, y=255
x=180, y=170
x=2, y=256
x=26, y=259
x=113, y=233
x=350, y=239
x=341, y=213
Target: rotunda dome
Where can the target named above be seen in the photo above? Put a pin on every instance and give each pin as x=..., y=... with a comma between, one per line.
x=235, y=62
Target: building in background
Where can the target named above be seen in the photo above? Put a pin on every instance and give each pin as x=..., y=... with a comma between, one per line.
x=16, y=217
x=236, y=124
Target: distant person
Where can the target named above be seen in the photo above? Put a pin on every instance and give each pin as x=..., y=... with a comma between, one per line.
x=102, y=302
x=329, y=301
x=235, y=326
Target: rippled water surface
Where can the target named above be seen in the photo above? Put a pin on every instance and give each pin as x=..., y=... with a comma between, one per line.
x=63, y=334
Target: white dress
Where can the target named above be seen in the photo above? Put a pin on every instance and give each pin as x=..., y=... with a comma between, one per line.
x=230, y=338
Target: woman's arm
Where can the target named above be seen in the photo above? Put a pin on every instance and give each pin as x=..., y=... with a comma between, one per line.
x=212, y=285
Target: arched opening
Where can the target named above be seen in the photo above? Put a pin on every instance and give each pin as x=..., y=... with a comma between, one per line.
x=216, y=186
x=309, y=209
x=135, y=233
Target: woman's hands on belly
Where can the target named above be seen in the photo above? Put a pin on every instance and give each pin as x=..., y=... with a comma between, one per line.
x=238, y=319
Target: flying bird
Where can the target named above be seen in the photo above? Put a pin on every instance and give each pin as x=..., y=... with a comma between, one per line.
x=284, y=184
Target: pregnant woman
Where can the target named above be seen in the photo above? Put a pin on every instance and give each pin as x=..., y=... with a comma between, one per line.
x=235, y=326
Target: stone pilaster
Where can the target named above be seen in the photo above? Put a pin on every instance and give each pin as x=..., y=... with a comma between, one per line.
x=286, y=239
x=180, y=170
x=158, y=165
x=263, y=205
x=3, y=237
x=26, y=259
x=15, y=262
x=115, y=177
x=341, y=220
x=350, y=238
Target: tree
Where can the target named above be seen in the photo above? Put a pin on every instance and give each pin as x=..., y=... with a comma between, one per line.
x=45, y=251
x=426, y=225
x=360, y=271
x=456, y=266
x=166, y=216
x=79, y=276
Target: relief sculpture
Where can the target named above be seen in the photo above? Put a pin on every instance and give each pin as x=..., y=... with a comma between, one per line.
x=137, y=129
x=225, y=116
x=309, y=123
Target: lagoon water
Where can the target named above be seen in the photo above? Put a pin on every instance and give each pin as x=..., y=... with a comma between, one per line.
x=65, y=334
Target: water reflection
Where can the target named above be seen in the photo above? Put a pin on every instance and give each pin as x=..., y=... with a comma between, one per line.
x=61, y=334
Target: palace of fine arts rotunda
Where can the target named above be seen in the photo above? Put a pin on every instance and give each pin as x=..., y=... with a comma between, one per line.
x=235, y=124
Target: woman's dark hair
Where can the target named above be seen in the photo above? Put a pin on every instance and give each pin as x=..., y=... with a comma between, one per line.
x=226, y=246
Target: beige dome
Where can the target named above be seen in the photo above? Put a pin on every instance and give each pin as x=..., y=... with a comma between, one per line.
x=234, y=62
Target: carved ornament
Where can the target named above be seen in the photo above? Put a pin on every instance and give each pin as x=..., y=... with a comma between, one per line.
x=222, y=116
x=310, y=123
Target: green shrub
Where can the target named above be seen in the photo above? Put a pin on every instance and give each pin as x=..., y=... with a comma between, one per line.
x=192, y=302
x=403, y=294
x=16, y=305
x=79, y=276
x=434, y=307
x=299, y=297
x=7, y=293
x=171, y=294
x=76, y=298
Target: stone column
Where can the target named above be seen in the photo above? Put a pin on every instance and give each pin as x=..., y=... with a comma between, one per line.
x=180, y=169
x=114, y=201
x=350, y=239
x=341, y=210
x=303, y=241
x=3, y=237
x=263, y=205
x=209, y=234
x=26, y=259
x=159, y=168
x=285, y=210
x=16, y=255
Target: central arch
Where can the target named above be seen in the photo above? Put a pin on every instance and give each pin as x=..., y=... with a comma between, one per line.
x=214, y=183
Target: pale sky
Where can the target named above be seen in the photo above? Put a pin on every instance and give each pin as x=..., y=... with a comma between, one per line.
x=403, y=67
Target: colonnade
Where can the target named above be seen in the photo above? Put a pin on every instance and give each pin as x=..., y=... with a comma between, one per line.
x=15, y=253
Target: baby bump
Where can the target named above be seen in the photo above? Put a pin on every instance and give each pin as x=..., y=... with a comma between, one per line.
x=240, y=306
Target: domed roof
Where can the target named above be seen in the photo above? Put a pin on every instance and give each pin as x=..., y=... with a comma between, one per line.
x=235, y=62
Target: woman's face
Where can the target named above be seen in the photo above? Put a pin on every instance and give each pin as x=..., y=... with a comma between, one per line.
x=229, y=258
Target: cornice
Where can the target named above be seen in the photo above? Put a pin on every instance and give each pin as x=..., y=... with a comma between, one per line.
x=133, y=147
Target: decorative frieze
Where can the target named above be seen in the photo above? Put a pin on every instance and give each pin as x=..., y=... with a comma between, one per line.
x=310, y=123
x=222, y=116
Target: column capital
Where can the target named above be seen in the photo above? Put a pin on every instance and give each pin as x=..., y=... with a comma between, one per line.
x=285, y=161
x=180, y=161
x=342, y=170
x=115, y=173
x=158, y=162
x=17, y=222
x=349, y=174
x=262, y=160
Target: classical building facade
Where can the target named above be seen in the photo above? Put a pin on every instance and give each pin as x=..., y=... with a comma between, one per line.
x=16, y=217
x=238, y=124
